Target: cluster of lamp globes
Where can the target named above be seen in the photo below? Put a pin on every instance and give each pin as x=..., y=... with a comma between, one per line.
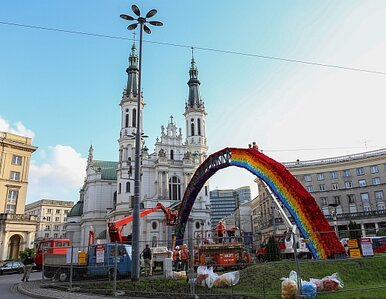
x=141, y=20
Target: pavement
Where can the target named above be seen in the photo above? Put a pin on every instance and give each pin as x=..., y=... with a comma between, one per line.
x=33, y=289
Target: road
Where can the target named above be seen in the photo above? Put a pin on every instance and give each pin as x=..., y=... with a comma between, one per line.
x=8, y=282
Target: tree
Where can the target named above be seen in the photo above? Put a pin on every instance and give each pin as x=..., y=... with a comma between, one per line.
x=23, y=254
x=273, y=250
x=381, y=231
x=354, y=230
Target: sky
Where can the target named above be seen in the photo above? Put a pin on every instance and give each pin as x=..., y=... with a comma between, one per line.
x=304, y=79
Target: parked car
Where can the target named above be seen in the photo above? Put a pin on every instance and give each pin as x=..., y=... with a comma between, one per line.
x=12, y=267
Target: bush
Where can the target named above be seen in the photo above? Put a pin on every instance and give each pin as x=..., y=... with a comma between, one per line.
x=354, y=230
x=23, y=254
x=381, y=231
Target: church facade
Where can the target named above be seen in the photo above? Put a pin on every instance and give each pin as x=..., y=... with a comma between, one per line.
x=108, y=191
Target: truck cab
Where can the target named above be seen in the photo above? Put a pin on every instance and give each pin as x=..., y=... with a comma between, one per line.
x=50, y=246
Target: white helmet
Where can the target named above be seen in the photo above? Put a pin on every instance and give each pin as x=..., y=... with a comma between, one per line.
x=177, y=247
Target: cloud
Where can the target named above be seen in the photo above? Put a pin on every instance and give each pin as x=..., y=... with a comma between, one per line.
x=60, y=175
x=16, y=128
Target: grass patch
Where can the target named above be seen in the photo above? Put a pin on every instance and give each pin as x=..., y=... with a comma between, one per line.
x=363, y=279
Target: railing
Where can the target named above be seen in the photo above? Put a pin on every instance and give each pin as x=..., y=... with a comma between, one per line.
x=17, y=217
x=335, y=159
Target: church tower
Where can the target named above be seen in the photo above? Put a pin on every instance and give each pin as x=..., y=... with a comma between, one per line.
x=195, y=117
x=125, y=172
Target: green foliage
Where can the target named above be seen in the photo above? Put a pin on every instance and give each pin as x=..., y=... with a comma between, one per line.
x=273, y=250
x=381, y=231
x=23, y=254
x=354, y=230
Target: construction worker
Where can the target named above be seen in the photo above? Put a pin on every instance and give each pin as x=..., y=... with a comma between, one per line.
x=176, y=258
x=184, y=255
x=220, y=231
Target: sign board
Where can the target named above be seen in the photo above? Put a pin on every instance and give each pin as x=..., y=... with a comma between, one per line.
x=355, y=252
x=74, y=258
x=352, y=243
x=99, y=254
x=367, y=247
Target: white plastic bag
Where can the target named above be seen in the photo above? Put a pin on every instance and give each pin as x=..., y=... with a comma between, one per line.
x=211, y=278
x=227, y=279
x=202, y=275
x=289, y=286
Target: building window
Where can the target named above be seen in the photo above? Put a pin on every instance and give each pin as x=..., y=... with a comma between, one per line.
x=346, y=173
x=365, y=197
x=360, y=171
x=13, y=195
x=46, y=235
x=333, y=175
x=198, y=127
x=374, y=169
x=381, y=206
x=64, y=219
x=154, y=225
x=310, y=188
x=10, y=209
x=16, y=160
x=56, y=227
x=49, y=211
x=348, y=184
x=323, y=201
x=376, y=181
x=48, y=218
x=134, y=118
x=378, y=195
x=351, y=198
x=48, y=227
x=322, y=187
x=206, y=190
x=335, y=186
x=127, y=187
x=127, y=120
x=366, y=208
x=308, y=178
x=192, y=128
x=14, y=176
x=320, y=176
x=55, y=235
x=362, y=183
x=57, y=219
x=171, y=155
x=174, y=188
x=119, y=188
x=57, y=211
x=337, y=200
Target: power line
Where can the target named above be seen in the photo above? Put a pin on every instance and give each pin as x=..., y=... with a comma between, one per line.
x=199, y=48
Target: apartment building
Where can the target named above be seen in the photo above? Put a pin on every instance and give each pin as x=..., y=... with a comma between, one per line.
x=17, y=231
x=51, y=216
x=346, y=188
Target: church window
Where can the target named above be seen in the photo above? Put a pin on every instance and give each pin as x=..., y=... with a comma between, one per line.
x=154, y=241
x=134, y=118
x=115, y=200
x=192, y=129
x=154, y=225
x=126, y=120
x=174, y=188
x=127, y=187
x=171, y=155
x=119, y=188
x=199, y=127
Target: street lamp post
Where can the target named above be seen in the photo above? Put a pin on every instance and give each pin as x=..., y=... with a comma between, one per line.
x=135, y=270
x=334, y=205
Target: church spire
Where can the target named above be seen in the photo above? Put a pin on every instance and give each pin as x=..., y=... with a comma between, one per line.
x=194, y=100
x=132, y=72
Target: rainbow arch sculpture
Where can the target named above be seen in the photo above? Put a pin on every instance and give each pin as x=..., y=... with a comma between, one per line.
x=308, y=217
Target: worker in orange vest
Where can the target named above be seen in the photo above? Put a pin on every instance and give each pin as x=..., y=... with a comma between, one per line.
x=176, y=258
x=220, y=231
x=184, y=256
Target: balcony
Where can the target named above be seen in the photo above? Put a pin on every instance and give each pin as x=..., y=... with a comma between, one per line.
x=17, y=217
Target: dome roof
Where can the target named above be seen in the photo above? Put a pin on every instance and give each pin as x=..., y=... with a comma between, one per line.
x=77, y=210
